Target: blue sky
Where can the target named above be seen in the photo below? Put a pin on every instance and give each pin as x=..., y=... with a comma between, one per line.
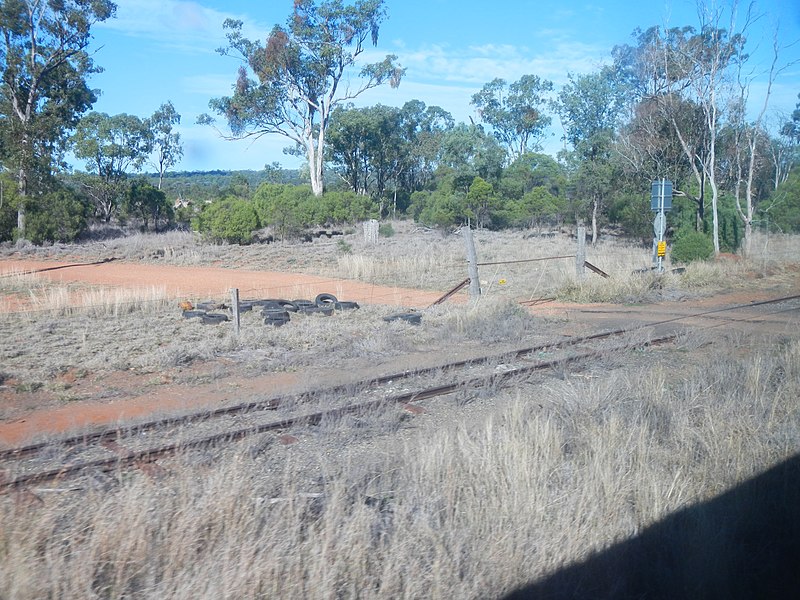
x=156, y=51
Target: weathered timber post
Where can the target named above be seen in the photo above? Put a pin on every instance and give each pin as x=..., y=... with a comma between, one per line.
x=580, y=255
x=371, y=231
x=472, y=263
x=235, y=308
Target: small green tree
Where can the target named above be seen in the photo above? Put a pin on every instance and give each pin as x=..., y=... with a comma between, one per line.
x=58, y=216
x=691, y=245
x=147, y=203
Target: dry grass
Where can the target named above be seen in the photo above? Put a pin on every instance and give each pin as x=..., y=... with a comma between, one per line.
x=487, y=491
x=467, y=509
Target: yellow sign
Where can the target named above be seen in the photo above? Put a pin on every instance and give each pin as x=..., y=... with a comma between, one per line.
x=662, y=249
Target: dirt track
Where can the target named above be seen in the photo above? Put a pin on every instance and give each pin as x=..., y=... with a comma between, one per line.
x=212, y=282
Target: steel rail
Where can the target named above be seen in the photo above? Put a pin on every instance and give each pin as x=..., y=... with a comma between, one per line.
x=275, y=402
x=139, y=457
x=496, y=378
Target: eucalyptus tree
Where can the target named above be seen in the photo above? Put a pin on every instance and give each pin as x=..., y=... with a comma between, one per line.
x=785, y=147
x=43, y=91
x=290, y=84
x=515, y=112
x=167, y=147
x=366, y=147
x=467, y=152
x=112, y=146
x=689, y=67
x=590, y=107
x=423, y=129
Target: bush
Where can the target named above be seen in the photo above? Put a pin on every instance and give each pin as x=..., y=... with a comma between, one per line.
x=385, y=230
x=58, y=216
x=691, y=245
x=232, y=220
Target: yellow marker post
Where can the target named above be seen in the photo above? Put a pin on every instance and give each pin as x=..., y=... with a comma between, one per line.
x=662, y=249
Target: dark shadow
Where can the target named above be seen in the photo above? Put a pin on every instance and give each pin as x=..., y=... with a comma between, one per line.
x=744, y=543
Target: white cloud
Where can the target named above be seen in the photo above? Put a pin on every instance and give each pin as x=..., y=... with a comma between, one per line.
x=188, y=26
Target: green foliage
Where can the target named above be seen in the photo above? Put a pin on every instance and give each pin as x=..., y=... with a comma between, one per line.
x=632, y=212
x=167, y=147
x=286, y=208
x=298, y=71
x=440, y=208
x=691, y=245
x=232, y=220
x=147, y=203
x=535, y=207
x=59, y=216
x=111, y=146
x=385, y=230
x=8, y=207
x=529, y=171
x=516, y=114
x=781, y=211
x=730, y=224
x=339, y=207
x=289, y=209
x=43, y=89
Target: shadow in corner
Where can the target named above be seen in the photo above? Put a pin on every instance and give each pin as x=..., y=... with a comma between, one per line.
x=744, y=543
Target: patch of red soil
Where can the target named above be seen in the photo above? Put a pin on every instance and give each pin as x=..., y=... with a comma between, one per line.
x=216, y=282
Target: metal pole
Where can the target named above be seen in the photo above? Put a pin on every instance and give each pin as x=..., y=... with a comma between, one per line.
x=662, y=217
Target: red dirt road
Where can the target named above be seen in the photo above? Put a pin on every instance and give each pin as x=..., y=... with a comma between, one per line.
x=213, y=282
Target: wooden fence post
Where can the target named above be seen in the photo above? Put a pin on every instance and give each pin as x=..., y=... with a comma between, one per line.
x=472, y=263
x=235, y=309
x=580, y=255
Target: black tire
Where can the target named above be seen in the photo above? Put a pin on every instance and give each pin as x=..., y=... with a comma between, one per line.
x=214, y=318
x=191, y=314
x=412, y=318
x=287, y=305
x=345, y=305
x=277, y=313
x=269, y=304
x=211, y=306
x=246, y=306
x=323, y=299
x=317, y=310
x=277, y=320
x=303, y=304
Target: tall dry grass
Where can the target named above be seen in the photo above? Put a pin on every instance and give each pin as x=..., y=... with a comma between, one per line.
x=469, y=507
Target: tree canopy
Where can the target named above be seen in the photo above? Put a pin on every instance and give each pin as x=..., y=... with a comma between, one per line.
x=290, y=84
x=43, y=91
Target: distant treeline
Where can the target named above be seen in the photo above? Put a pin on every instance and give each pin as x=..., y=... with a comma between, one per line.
x=203, y=186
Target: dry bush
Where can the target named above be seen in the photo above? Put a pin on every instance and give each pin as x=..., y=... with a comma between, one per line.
x=464, y=508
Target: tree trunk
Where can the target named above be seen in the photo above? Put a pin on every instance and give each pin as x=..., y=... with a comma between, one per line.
x=315, y=161
x=22, y=190
x=595, y=206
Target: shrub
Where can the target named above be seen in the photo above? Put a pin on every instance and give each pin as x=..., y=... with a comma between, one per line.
x=385, y=230
x=232, y=220
x=691, y=245
x=59, y=216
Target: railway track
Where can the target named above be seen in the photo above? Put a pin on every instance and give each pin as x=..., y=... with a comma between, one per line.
x=113, y=449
